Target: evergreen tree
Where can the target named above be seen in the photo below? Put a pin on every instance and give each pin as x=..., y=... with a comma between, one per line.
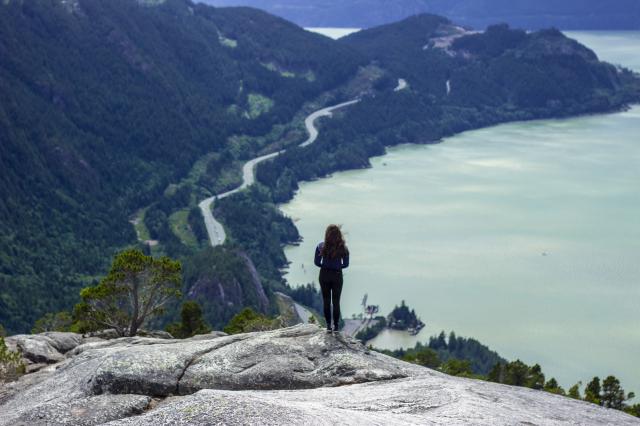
x=440, y=342
x=634, y=410
x=453, y=343
x=553, y=387
x=592, y=391
x=516, y=373
x=574, y=391
x=136, y=289
x=428, y=358
x=613, y=395
x=497, y=373
x=248, y=320
x=192, y=322
x=536, y=377
x=457, y=367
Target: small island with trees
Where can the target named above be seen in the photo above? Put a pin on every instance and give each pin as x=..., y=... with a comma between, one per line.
x=401, y=318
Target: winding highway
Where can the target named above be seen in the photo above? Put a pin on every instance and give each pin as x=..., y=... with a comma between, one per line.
x=215, y=228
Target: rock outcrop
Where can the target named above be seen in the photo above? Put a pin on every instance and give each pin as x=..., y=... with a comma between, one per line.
x=293, y=375
x=38, y=350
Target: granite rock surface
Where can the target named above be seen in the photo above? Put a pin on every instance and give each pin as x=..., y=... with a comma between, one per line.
x=294, y=375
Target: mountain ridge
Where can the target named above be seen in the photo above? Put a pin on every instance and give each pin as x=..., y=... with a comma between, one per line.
x=530, y=14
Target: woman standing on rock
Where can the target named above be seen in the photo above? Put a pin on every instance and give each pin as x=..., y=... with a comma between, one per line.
x=331, y=256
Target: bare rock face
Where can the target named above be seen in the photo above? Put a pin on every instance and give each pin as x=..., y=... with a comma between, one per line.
x=63, y=342
x=291, y=358
x=86, y=411
x=38, y=348
x=432, y=399
x=294, y=375
x=208, y=336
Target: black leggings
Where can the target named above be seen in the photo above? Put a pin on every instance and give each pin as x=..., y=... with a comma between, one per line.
x=331, y=286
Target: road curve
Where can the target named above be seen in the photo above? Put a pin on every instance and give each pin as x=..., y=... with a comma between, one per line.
x=215, y=228
x=303, y=313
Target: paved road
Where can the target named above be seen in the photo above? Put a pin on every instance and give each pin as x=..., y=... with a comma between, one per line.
x=353, y=326
x=214, y=228
x=302, y=312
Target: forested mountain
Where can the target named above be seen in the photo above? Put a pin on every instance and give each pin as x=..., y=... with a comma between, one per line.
x=105, y=103
x=543, y=72
x=530, y=14
x=115, y=107
x=457, y=80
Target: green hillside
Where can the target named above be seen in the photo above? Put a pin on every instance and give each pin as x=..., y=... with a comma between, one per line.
x=105, y=103
x=456, y=81
x=115, y=110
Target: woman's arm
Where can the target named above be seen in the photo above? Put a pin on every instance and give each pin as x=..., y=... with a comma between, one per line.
x=317, y=259
x=345, y=261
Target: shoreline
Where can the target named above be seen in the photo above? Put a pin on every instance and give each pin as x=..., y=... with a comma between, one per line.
x=622, y=109
x=574, y=144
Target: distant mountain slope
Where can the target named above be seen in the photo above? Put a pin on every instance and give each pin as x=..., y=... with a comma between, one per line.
x=531, y=14
x=105, y=102
x=455, y=81
x=501, y=67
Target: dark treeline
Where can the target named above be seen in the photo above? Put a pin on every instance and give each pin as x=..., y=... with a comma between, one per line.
x=440, y=349
x=467, y=357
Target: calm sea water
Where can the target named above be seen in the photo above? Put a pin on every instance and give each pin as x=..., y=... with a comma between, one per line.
x=525, y=236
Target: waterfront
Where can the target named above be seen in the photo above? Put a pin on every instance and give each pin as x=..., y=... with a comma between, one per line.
x=524, y=236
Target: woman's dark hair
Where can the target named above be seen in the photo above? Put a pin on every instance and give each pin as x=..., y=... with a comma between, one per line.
x=334, y=245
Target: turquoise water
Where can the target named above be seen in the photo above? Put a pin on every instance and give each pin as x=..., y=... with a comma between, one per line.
x=525, y=236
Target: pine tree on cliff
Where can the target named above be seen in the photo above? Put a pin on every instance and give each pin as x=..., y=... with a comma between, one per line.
x=136, y=289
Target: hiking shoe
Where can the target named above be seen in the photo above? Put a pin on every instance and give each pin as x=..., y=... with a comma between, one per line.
x=329, y=330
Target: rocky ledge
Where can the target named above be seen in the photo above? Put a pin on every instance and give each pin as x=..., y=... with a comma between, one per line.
x=292, y=375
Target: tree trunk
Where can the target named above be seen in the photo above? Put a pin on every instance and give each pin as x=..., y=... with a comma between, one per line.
x=133, y=328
